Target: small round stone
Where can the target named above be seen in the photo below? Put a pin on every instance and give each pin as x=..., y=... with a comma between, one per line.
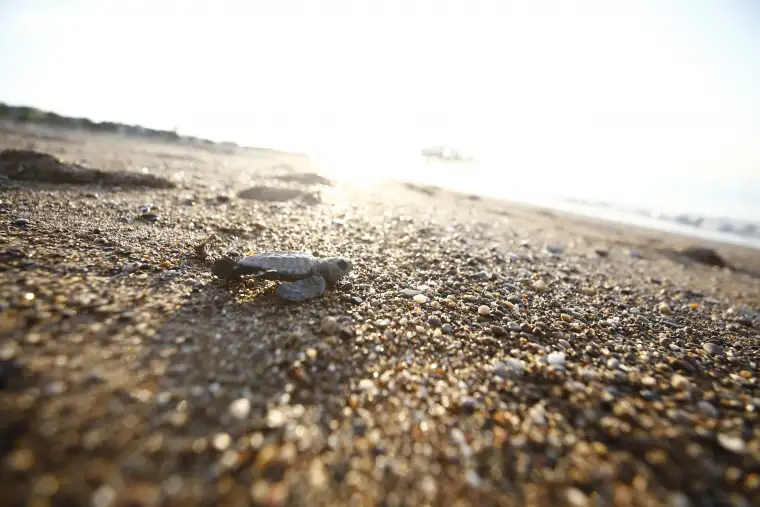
x=104, y=496
x=221, y=441
x=484, y=310
x=713, y=348
x=329, y=325
x=679, y=382
x=420, y=299
x=240, y=408
x=664, y=309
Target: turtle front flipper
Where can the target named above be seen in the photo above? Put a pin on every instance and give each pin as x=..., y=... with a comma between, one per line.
x=270, y=274
x=301, y=290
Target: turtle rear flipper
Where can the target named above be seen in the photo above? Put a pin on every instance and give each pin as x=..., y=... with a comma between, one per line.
x=301, y=290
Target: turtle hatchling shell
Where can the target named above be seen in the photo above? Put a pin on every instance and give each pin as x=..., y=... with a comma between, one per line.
x=290, y=264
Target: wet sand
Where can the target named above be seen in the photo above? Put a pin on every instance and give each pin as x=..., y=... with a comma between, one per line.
x=481, y=353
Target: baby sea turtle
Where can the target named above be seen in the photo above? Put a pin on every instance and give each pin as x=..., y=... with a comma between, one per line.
x=309, y=276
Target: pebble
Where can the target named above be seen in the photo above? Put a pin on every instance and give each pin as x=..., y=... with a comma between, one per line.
x=708, y=409
x=498, y=331
x=410, y=293
x=447, y=329
x=507, y=368
x=20, y=222
x=575, y=497
x=104, y=496
x=484, y=310
x=382, y=324
x=733, y=444
x=131, y=268
x=613, y=363
x=679, y=382
x=539, y=285
x=20, y=460
x=556, y=358
x=329, y=325
x=240, y=408
x=420, y=299
x=713, y=348
x=678, y=499
x=468, y=405
x=664, y=308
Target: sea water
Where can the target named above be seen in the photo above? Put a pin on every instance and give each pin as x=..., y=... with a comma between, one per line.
x=712, y=207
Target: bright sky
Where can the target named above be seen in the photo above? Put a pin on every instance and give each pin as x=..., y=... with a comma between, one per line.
x=644, y=87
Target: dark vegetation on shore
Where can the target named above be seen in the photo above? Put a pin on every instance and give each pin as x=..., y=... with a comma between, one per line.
x=32, y=115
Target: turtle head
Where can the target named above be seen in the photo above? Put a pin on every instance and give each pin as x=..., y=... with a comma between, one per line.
x=224, y=267
x=335, y=268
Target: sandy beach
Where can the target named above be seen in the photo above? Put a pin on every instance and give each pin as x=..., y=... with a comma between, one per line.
x=481, y=352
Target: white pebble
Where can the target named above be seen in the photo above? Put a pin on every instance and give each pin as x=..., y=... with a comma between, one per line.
x=679, y=382
x=733, y=444
x=420, y=299
x=473, y=479
x=664, y=308
x=104, y=496
x=221, y=441
x=539, y=285
x=484, y=310
x=576, y=497
x=556, y=358
x=240, y=408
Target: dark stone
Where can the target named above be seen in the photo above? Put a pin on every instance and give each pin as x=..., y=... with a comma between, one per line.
x=305, y=178
x=28, y=165
x=703, y=255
